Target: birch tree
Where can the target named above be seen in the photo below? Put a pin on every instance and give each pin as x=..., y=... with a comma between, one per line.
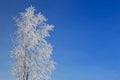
x=31, y=54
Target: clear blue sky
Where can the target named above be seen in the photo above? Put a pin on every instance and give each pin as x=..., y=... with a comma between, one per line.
x=86, y=37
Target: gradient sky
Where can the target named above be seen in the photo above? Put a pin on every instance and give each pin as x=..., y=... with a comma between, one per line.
x=86, y=37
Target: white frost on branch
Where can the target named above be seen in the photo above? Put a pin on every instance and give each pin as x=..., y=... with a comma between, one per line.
x=32, y=53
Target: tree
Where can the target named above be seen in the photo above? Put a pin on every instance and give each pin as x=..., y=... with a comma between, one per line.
x=32, y=53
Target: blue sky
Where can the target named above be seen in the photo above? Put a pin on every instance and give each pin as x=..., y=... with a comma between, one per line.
x=86, y=37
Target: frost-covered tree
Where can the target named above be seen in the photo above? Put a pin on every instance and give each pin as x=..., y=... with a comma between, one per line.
x=32, y=53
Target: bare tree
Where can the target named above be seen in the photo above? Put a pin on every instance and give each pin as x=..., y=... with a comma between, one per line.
x=32, y=53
